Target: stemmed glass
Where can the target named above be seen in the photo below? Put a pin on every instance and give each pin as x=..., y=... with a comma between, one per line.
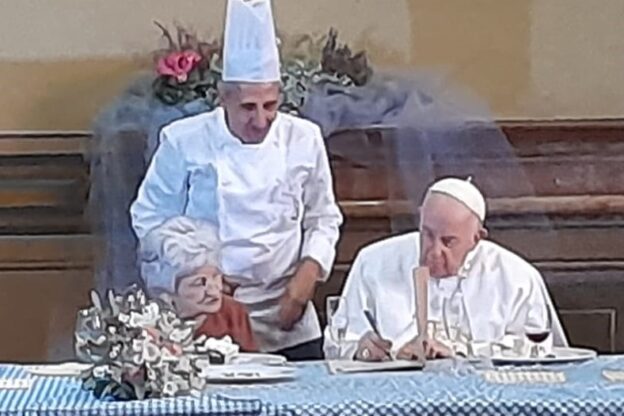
x=537, y=331
x=453, y=317
x=337, y=321
x=458, y=332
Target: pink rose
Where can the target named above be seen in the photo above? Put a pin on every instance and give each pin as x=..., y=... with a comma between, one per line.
x=178, y=64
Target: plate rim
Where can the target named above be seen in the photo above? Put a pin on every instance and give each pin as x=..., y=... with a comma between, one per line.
x=57, y=369
x=276, y=357
x=279, y=373
x=584, y=354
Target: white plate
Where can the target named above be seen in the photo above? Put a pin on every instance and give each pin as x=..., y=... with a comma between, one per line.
x=561, y=355
x=63, y=369
x=246, y=373
x=258, y=358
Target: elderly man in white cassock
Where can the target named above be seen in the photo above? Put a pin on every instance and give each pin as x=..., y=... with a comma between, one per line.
x=478, y=292
x=263, y=177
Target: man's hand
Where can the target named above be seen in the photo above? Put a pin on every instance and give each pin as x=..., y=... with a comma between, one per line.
x=373, y=348
x=299, y=292
x=413, y=350
x=435, y=349
x=426, y=348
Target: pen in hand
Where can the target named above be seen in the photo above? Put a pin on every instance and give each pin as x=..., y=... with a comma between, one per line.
x=371, y=322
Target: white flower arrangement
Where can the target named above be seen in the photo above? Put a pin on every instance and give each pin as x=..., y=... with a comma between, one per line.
x=140, y=348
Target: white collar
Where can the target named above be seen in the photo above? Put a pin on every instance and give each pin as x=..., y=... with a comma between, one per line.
x=469, y=262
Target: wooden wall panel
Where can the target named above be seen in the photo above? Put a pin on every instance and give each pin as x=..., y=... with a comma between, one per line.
x=45, y=247
x=38, y=310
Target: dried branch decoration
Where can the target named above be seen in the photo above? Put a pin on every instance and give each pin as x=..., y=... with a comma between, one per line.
x=189, y=69
x=338, y=59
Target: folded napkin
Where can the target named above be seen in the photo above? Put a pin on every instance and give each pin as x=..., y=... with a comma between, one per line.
x=524, y=377
x=614, y=375
x=15, y=383
x=347, y=366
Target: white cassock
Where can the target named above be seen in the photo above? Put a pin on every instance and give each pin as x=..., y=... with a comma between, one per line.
x=500, y=293
x=273, y=203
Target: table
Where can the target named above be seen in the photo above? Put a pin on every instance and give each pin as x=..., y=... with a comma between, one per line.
x=431, y=392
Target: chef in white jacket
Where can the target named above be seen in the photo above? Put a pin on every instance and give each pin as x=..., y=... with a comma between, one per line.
x=495, y=296
x=263, y=177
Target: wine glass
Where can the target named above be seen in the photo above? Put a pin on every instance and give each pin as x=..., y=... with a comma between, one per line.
x=337, y=321
x=458, y=333
x=456, y=324
x=453, y=317
x=537, y=330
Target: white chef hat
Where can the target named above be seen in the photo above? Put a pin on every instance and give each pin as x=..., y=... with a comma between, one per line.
x=250, y=52
x=176, y=248
x=464, y=191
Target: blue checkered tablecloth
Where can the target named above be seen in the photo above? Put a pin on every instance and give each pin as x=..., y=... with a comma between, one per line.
x=64, y=396
x=435, y=391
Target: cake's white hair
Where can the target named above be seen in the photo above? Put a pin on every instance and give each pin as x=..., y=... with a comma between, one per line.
x=177, y=248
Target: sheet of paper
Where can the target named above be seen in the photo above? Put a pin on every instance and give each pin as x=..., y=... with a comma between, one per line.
x=524, y=377
x=420, y=276
x=346, y=366
x=421, y=284
x=15, y=383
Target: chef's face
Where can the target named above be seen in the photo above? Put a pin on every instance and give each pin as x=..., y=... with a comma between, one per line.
x=199, y=292
x=250, y=109
x=448, y=232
